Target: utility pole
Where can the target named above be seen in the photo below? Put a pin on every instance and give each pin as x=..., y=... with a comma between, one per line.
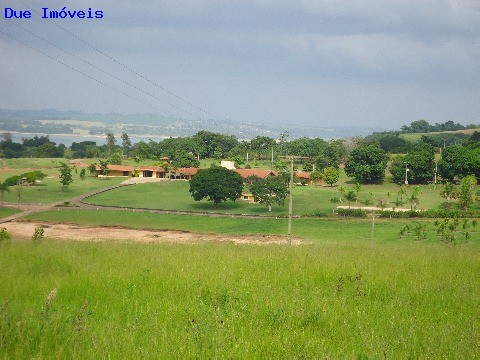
x=271, y=168
x=406, y=173
x=290, y=204
x=372, y=235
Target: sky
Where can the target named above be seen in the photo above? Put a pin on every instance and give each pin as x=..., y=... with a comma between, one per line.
x=322, y=63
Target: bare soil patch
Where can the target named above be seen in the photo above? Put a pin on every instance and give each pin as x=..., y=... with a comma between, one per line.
x=24, y=231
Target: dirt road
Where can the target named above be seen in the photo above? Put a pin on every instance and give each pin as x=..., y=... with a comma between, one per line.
x=24, y=231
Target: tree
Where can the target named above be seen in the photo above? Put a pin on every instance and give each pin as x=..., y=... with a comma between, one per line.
x=397, y=169
x=103, y=167
x=331, y=175
x=206, y=143
x=262, y=145
x=459, y=161
x=414, y=198
x=307, y=166
x=65, y=175
x=421, y=162
x=448, y=191
x=83, y=174
x=217, y=184
x=466, y=193
x=417, y=126
x=7, y=136
x=116, y=158
x=367, y=164
x=92, y=168
x=126, y=143
x=111, y=141
x=350, y=196
x=3, y=188
x=270, y=190
x=316, y=176
x=184, y=159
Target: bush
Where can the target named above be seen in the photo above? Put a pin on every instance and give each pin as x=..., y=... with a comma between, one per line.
x=4, y=235
x=316, y=213
x=432, y=213
x=359, y=213
x=38, y=234
x=31, y=177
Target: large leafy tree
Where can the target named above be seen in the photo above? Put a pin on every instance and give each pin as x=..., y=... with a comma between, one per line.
x=421, y=163
x=217, y=184
x=270, y=190
x=305, y=147
x=262, y=145
x=459, y=161
x=184, y=159
x=367, y=164
x=208, y=143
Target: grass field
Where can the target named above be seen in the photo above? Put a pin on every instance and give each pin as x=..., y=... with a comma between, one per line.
x=4, y=212
x=174, y=195
x=50, y=189
x=315, y=230
x=416, y=137
x=337, y=300
x=341, y=294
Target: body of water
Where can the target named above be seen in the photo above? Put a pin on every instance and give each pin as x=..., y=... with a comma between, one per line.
x=68, y=139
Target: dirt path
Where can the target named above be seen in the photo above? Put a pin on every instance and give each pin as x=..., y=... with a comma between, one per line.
x=25, y=230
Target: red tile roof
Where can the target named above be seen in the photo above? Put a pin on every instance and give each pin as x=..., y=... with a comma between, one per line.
x=303, y=175
x=262, y=174
x=187, y=171
x=151, y=168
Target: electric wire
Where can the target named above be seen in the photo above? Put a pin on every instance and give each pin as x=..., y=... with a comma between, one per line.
x=84, y=74
x=119, y=63
x=96, y=67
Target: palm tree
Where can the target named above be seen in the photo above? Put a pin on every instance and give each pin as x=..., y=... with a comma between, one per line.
x=3, y=188
x=350, y=196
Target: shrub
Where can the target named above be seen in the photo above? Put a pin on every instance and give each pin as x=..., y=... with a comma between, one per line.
x=38, y=234
x=31, y=177
x=351, y=212
x=4, y=235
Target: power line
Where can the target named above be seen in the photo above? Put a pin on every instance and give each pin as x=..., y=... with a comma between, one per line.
x=118, y=62
x=96, y=67
x=84, y=74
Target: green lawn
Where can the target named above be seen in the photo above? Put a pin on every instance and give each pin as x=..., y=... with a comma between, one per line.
x=4, y=212
x=174, y=195
x=330, y=300
x=50, y=190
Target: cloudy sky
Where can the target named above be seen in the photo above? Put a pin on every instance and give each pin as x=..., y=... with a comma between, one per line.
x=324, y=63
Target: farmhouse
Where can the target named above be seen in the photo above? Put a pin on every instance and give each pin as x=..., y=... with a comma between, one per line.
x=186, y=173
x=262, y=174
x=117, y=170
x=247, y=197
x=151, y=171
x=303, y=178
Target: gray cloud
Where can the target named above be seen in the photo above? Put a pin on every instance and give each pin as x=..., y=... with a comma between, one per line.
x=339, y=61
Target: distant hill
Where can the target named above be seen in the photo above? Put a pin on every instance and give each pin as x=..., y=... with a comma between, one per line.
x=51, y=121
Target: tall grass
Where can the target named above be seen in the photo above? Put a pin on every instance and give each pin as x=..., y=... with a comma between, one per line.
x=90, y=300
